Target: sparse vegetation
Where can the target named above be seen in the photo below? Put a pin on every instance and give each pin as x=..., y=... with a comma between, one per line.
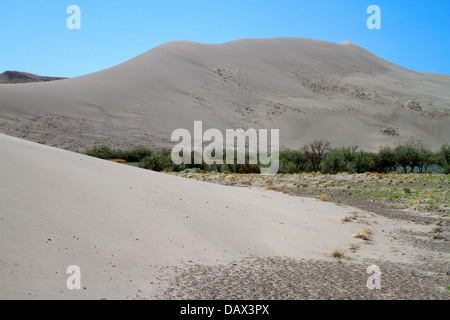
x=353, y=217
x=375, y=192
x=159, y=161
x=443, y=158
x=272, y=187
x=107, y=153
x=364, y=234
x=313, y=157
x=315, y=151
x=118, y=160
x=338, y=254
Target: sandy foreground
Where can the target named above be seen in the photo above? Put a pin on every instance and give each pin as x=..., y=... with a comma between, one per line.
x=138, y=234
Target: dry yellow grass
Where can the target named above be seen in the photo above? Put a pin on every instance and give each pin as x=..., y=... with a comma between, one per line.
x=272, y=187
x=118, y=160
x=364, y=234
x=338, y=254
x=323, y=197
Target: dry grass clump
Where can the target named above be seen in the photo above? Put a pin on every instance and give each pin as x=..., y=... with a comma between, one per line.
x=347, y=219
x=118, y=160
x=338, y=254
x=353, y=217
x=272, y=187
x=437, y=230
x=364, y=234
x=282, y=189
x=323, y=197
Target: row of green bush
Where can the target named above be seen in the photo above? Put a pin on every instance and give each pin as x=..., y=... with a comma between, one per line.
x=161, y=161
x=132, y=155
x=403, y=158
x=407, y=158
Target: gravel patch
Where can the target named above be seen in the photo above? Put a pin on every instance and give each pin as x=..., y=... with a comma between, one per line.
x=280, y=278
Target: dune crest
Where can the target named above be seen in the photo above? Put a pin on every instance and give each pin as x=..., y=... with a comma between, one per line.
x=309, y=89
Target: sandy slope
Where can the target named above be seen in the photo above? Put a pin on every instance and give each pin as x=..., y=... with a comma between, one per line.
x=123, y=225
x=306, y=88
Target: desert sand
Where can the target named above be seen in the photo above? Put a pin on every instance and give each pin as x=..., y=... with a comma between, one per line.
x=133, y=232
x=309, y=89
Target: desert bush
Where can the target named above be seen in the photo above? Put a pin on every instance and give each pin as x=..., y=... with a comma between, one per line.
x=364, y=234
x=107, y=153
x=313, y=157
x=426, y=159
x=103, y=152
x=443, y=158
x=338, y=254
x=333, y=162
x=288, y=167
x=136, y=154
x=364, y=161
x=315, y=151
x=159, y=161
x=385, y=160
x=235, y=167
x=248, y=169
x=345, y=159
x=292, y=161
x=407, y=156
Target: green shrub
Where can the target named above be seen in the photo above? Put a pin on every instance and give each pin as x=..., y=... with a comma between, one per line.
x=348, y=159
x=426, y=158
x=131, y=155
x=339, y=160
x=292, y=161
x=103, y=152
x=385, y=160
x=159, y=161
x=248, y=168
x=407, y=156
x=333, y=162
x=443, y=158
x=136, y=154
x=364, y=161
x=287, y=167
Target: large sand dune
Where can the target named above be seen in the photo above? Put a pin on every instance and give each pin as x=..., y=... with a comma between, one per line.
x=306, y=88
x=122, y=225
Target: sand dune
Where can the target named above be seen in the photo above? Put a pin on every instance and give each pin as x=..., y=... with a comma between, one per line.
x=306, y=88
x=122, y=225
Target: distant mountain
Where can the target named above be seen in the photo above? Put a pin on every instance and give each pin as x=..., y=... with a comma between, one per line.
x=23, y=77
x=308, y=89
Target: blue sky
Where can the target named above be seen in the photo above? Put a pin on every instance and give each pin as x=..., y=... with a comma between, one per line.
x=34, y=37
